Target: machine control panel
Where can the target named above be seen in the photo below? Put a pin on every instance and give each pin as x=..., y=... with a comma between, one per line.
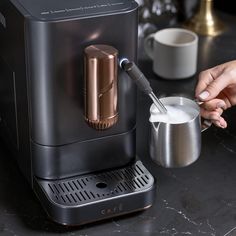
x=60, y=9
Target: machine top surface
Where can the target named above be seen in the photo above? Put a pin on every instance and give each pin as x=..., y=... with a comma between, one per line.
x=47, y=10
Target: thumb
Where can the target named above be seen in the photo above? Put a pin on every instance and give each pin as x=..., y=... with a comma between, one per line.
x=214, y=88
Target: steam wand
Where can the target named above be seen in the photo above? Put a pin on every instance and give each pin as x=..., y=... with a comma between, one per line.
x=134, y=73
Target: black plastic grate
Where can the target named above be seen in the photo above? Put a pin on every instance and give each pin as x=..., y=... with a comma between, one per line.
x=85, y=189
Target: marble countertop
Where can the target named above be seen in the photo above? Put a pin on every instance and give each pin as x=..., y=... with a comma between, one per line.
x=196, y=200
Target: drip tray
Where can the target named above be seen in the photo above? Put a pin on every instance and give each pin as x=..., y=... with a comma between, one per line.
x=88, y=198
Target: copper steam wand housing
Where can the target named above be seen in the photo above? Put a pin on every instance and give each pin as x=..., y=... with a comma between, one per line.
x=101, y=95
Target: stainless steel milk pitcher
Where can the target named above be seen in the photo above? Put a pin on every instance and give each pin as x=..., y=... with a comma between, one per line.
x=176, y=144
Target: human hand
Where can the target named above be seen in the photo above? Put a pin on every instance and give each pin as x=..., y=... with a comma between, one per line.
x=216, y=88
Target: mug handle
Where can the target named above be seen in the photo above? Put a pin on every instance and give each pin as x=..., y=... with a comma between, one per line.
x=148, y=45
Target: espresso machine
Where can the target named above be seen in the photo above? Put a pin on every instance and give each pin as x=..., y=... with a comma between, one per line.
x=68, y=111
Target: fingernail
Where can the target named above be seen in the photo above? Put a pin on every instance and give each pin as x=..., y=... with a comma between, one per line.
x=204, y=95
x=222, y=123
x=220, y=105
x=217, y=123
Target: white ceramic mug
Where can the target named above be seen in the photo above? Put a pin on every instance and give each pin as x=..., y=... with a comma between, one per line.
x=174, y=52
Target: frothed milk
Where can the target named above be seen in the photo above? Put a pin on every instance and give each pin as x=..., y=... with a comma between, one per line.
x=176, y=114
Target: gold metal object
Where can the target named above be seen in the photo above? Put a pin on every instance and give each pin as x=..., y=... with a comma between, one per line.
x=205, y=22
x=100, y=67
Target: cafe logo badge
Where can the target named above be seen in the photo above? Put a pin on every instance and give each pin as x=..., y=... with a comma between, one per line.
x=112, y=210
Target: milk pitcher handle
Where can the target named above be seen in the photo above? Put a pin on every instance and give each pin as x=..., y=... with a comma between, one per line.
x=149, y=45
x=205, y=124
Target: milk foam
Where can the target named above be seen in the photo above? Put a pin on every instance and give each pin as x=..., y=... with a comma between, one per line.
x=176, y=114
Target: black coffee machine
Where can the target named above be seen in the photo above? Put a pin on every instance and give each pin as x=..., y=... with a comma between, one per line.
x=66, y=108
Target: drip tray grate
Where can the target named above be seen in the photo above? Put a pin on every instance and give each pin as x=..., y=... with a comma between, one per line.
x=91, y=188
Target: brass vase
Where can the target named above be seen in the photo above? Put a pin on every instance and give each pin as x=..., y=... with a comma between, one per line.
x=205, y=22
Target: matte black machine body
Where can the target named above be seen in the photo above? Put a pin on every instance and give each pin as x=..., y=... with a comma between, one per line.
x=81, y=169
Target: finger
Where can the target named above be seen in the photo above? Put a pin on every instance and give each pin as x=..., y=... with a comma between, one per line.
x=207, y=77
x=220, y=123
x=214, y=104
x=211, y=115
x=214, y=88
x=212, y=82
x=204, y=79
x=214, y=117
